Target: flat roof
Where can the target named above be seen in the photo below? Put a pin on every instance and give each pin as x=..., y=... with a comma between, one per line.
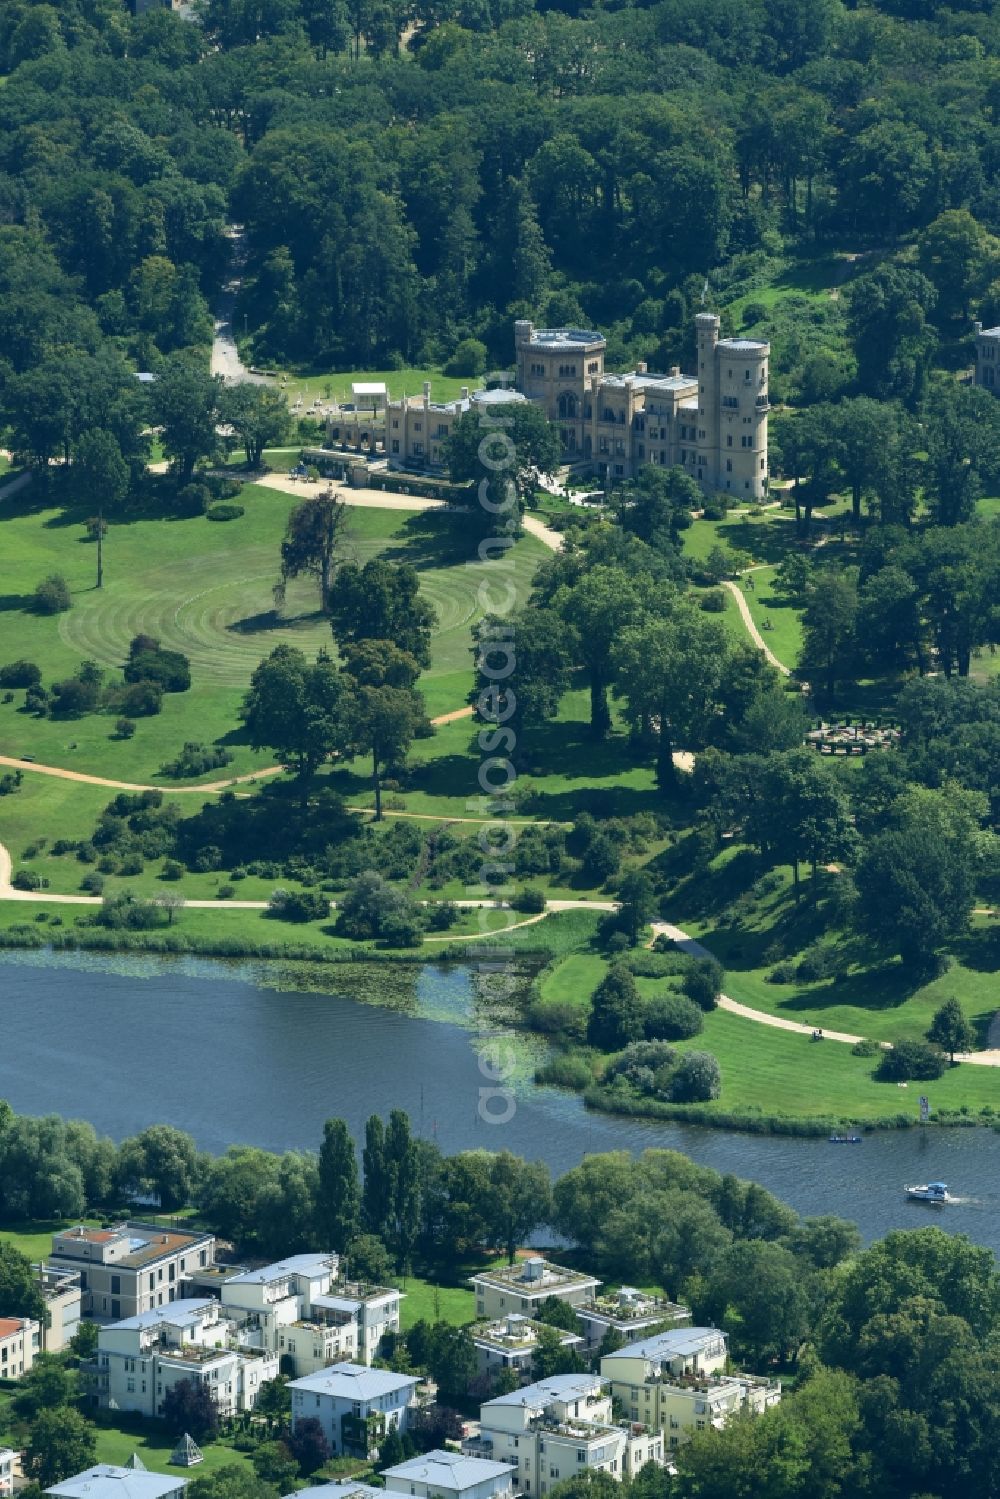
x=108, y=1482
x=368, y=387
x=511, y=1277
x=988, y=333
x=743, y=345
x=342, y=1490
x=174, y=1314
x=295, y=1264
x=354, y=1382
x=674, y=1343
x=449, y=1470
x=568, y=338
x=556, y=1387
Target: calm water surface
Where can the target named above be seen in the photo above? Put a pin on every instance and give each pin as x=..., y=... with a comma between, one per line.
x=239, y=1054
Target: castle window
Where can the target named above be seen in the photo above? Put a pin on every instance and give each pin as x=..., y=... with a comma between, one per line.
x=729, y=442
x=729, y=465
x=593, y=367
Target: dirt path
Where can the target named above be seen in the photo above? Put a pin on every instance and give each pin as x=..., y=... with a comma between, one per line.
x=752, y=630
x=380, y=499
x=685, y=942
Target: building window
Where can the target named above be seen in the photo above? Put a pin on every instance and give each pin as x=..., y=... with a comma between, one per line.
x=418, y=448
x=729, y=465
x=395, y=444
x=418, y=426
x=729, y=442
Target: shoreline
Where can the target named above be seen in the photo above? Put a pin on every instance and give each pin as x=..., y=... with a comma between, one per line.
x=595, y=1097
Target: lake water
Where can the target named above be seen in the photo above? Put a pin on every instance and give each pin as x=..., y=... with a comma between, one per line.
x=247, y=1054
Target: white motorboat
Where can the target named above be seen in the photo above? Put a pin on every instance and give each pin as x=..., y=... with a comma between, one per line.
x=930, y=1192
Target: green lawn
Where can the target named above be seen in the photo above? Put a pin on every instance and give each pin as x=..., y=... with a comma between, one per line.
x=115, y=1444
x=780, y=1072
x=423, y=1301
x=205, y=589
x=336, y=385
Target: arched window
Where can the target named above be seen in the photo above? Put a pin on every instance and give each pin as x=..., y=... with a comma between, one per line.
x=567, y=406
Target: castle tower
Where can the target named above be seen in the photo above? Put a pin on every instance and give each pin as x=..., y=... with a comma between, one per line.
x=707, y=332
x=743, y=404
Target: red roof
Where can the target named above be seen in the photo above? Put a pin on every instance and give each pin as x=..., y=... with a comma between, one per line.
x=9, y=1326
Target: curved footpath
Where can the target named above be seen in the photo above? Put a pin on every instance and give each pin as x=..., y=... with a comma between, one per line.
x=752, y=630
x=676, y=934
x=379, y=499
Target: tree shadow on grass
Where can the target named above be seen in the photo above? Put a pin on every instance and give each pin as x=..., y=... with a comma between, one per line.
x=272, y=619
x=431, y=539
x=980, y=950
x=11, y=603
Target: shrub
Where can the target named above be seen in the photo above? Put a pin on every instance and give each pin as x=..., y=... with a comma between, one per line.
x=469, y=358
x=557, y=1017
x=73, y=697
x=224, y=512
x=140, y=699
x=783, y=973
x=372, y=908
x=10, y=782
x=441, y=916
x=126, y=910
x=530, y=900
x=703, y=983
x=131, y=864
x=27, y=879
x=149, y=662
x=911, y=1059
x=298, y=905
x=36, y=700
x=194, y=759
x=93, y=883
x=817, y=962
x=697, y=1079
x=52, y=596
x=713, y=601
x=566, y=1072
x=754, y=312
x=672, y=1017
x=20, y=674
x=124, y=728
x=866, y=1047
x=716, y=509
x=193, y=499
x=172, y=869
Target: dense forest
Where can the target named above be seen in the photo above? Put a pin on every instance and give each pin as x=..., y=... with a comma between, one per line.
x=412, y=175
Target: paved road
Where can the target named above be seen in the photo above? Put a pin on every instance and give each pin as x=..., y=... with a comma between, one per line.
x=226, y=359
x=378, y=499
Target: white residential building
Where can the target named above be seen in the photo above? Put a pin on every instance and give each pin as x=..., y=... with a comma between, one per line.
x=355, y=1405
x=63, y=1299
x=523, y=1286
x=629, y=1313
x=279, y=1308
x=375, y=1309
x=141, y=1358
x=510, y=1343
x=451, y=1475
x=108, y=1482
x=309, y=1317
x=20, y=1343
x=6, y=1472
x=674, y=1383
x=559, y=1427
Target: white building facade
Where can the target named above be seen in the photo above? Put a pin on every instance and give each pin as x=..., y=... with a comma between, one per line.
x=141, y=1358
x=354, y=1405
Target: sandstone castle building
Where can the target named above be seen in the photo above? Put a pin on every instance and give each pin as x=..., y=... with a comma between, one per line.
x=713, y=424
